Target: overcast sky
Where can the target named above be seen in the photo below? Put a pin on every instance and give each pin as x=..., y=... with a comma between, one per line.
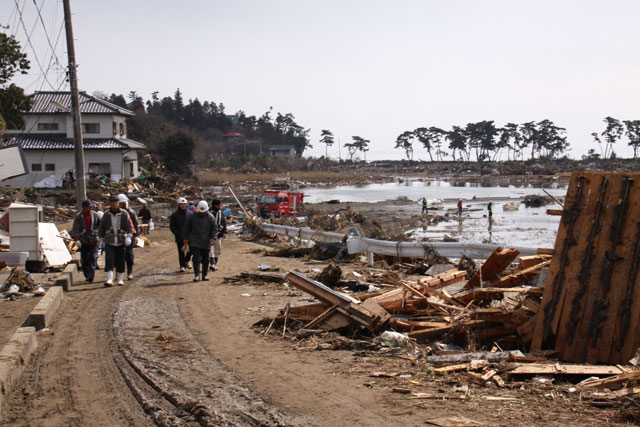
x=369, y=68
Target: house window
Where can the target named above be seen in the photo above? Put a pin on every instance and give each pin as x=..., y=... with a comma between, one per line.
x=100, y=169
x=47, y=126
x=50, y=166
x=91, y=128
x=36, y=167
x=121, y=129
x=132, y=167
x=115, y=128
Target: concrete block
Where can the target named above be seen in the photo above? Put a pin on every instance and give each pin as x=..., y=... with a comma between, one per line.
x=63, y=280
x=73, y=270
x=45, y=311
x=14, y=356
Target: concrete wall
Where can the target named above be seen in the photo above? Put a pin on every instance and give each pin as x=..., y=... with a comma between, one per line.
x=64, y=160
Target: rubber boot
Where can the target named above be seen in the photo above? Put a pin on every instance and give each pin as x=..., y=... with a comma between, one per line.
x=109, y=281
x=120, y=277
x=215, y=264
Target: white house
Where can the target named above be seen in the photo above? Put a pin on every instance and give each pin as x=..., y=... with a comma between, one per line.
x=47, y=140
x=278, y=150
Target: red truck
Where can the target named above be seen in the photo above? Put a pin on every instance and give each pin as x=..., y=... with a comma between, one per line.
x=279, y=202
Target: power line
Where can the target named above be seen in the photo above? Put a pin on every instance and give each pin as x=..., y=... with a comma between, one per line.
x=35, y=55
x=46, y=33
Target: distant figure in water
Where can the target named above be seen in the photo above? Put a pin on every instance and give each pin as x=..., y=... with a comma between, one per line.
x=425, y=210
x=490, y=209
x=459, y=207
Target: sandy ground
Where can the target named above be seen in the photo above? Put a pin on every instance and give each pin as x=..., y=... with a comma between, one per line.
x=164, y=350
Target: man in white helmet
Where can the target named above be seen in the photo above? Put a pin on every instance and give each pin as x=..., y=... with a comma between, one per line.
x=116, y=231
x=200, y=232
x=176, y=224
x=123, y=200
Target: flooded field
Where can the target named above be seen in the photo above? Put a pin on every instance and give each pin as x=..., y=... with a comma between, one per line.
x=528, y=227
x=436, y=190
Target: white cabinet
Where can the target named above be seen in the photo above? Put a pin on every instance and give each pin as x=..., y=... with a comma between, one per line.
x=24, y=229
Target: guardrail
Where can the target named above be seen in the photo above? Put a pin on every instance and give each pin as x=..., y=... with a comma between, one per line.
x=402, y=249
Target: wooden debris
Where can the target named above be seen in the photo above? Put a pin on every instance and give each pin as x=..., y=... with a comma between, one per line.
x=590, y=310
x=368, y=314
x=490, y=270
x=608, y=382
x=531, y=260
x=564, y=369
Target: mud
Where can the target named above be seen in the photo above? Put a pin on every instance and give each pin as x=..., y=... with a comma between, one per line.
x=163, y=350
x=189, y=385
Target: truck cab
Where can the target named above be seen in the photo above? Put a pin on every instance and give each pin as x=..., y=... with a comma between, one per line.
x=279, y=203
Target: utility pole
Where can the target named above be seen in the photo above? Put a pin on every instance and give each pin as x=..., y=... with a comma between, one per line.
x=81, y=193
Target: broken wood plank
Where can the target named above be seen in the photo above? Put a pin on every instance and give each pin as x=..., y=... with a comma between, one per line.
x=368, y=314
x=491, y=269
x=394, y=300
x=452, y=368
x=520, y=278
x=555, y=212
x=563, y=368
x=627, y=376
x=531, y=260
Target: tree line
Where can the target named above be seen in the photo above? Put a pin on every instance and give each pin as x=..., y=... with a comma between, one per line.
x=484, y=141
x=171, y=127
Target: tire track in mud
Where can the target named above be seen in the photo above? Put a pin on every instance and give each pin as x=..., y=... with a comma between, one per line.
x=159, y=347
x=72, y=379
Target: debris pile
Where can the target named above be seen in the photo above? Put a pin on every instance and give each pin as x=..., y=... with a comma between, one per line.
x=439, y=307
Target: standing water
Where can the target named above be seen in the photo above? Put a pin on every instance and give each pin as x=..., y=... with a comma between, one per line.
x=529, y=227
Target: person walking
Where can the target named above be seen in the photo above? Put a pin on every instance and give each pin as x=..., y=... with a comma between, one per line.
x=128, y=257
x=425, y=210
x=459, y=207
x=85, y=233
x=145, y=214
x=490, y=209
x=200, y=232
x=221, y=224
x=176, y=225
x=116, y=231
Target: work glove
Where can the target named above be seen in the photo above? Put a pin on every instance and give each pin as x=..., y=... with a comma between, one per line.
x=78, y=244
x=127, y=241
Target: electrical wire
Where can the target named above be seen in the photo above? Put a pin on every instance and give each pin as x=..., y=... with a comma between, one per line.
x=35, y=55
x=46, y=33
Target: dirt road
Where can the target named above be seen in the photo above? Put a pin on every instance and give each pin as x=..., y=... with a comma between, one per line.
x=164, y=350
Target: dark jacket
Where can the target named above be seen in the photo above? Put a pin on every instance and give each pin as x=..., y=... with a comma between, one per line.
x=221, y=222
x=199, y=230
x=145, y=215
x=176, y=223
x=79, y=230
x=114, y=227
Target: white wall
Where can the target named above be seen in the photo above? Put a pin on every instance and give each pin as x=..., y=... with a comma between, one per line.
x=32, y=120
x=65, y=124
x=64, y=160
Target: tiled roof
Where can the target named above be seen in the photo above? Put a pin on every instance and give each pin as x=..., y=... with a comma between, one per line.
x=60, y=142
x=60, y=102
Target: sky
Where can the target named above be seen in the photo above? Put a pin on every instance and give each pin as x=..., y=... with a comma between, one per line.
x=356, y=67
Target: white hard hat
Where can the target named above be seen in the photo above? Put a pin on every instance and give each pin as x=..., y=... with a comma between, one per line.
x=203, y=206
x=122, y=198
x=182, y=200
